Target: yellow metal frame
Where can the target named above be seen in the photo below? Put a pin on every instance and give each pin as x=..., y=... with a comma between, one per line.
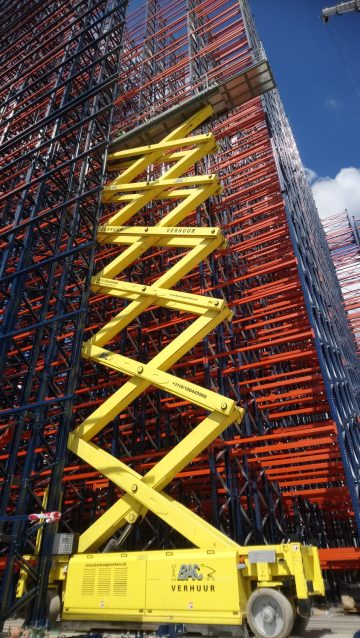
x=178, y=151
x=212, y=583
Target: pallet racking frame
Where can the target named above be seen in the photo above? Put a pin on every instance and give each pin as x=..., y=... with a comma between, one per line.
x=59, y=81
x=342, y=232
x=74, y=79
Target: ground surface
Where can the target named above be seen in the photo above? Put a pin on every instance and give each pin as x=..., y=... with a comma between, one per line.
x=332, y=624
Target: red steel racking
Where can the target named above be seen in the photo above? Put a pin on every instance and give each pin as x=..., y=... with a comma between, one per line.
x=287, y=356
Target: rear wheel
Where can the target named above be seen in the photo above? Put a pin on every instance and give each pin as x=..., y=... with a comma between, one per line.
x=53, y=606
x=269, y=614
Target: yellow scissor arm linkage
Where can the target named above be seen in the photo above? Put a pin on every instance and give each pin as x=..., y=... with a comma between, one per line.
x=179, y=153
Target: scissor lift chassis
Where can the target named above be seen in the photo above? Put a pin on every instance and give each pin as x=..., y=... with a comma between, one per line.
x=185, y=586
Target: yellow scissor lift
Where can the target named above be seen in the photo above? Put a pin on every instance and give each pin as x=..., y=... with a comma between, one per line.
x=218, y=583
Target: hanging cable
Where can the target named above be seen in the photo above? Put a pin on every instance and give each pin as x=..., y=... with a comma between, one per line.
x=353, y=79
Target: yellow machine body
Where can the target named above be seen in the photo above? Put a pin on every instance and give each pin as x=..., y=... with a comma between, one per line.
x=184, y=586
x=158, y=586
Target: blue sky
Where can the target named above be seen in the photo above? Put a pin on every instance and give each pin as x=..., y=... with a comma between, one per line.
x=319, y=97
x=317, y=70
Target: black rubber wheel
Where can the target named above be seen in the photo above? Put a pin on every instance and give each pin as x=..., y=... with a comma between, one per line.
x=300, y=624
x=53, y=606
x=269, y=614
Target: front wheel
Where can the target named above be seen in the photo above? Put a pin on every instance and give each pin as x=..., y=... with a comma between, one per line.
x=269, y=614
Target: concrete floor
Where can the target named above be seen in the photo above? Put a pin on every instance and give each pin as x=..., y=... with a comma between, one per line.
x=332, y=624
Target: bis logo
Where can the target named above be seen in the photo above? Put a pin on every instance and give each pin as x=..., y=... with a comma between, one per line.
x=191, y=573
x=187, y=572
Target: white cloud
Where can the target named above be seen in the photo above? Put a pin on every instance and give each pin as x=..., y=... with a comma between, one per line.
x=333, y=104
x=334, y=195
